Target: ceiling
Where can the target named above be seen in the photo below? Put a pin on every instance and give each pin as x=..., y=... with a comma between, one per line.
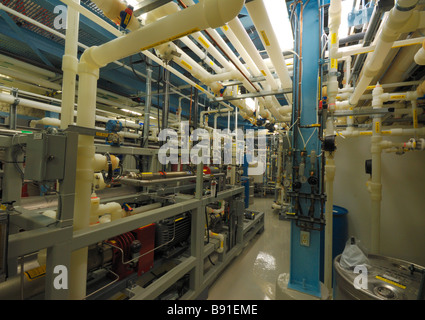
x=27, y=42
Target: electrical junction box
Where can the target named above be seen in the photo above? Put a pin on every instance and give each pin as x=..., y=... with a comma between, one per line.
x=45, y=157
x=305, y=238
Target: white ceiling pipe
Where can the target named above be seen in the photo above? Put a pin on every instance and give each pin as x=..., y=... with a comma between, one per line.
x=238, y=29
x=147, y=53
x=217, y=38
x=208, y=13
x=9, y=99
x=211, y=49
x=199, y=37
x=259, y=16
x=399, y=15
x=199, y=17
x=27, y=66
x=251, y=66
x=29, y=78
x=214, y=34
x=195, y=69
x=117, y=33
x=80, y=9
x=172, y=7
x=52, y=85
x=201, y=54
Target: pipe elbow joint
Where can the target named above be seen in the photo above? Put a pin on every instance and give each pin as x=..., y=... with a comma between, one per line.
x=219, y=12
x=87, y=59
x=406, y=5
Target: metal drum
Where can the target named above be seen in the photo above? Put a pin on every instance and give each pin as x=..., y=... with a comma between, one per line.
x=387, y=279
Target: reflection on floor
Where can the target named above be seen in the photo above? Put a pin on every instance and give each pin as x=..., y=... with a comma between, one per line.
x=253, y=274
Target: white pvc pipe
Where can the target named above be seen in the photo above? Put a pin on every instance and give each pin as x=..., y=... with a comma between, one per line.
x=420, y=55
x=195, y=18
x=238, y=29
x=259, y=16
x=27, y=66
x=100, y=162
x=399, y=15
x=209, y=13
x=30, y=78
x=9, y=99
x=251, y=66
x=69, y=67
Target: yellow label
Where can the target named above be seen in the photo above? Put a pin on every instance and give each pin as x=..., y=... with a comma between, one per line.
x=398, y=96
x=225, y=27
x=370, y=87
x=391, y=282
x=415, y=118
x=355, y=54
x=170, y=39
x=409, y=44
x=36, y=273
x=291, y=213
x=178, y=219
x=146, y=172
x=377, y=127
x=264, y=35
x=200, y=88
x=365, y=133
x=102, y=134
x=186, y=65
x=386, y=132
x=204, y=43
x=211, y=63
x=263, y=72
x=333, y=38
x=334, y=64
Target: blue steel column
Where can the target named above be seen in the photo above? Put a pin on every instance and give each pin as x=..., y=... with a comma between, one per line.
x=305, y=260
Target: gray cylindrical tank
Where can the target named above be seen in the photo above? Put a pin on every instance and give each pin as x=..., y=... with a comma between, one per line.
x=387, y=279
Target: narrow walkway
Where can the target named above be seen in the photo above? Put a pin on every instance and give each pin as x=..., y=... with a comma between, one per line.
x=253, y=274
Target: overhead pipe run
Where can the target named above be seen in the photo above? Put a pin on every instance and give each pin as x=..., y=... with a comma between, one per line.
x=206, y=14
x=258, y=13
x=397, y=19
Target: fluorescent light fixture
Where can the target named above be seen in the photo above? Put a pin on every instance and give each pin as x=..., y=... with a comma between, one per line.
x=250, y=103
x=278, y=15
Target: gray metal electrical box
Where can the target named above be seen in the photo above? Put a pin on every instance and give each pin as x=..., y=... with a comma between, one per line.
x=45, y=157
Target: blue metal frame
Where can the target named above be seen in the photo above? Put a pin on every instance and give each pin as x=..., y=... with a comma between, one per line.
x=305, y=260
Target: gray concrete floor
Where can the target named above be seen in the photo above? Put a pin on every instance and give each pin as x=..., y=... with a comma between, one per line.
x=253, y=274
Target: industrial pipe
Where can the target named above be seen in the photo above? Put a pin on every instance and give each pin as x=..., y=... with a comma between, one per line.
x=207, y=14
x=258, y=13
x=70, y=67
x=398, y=17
